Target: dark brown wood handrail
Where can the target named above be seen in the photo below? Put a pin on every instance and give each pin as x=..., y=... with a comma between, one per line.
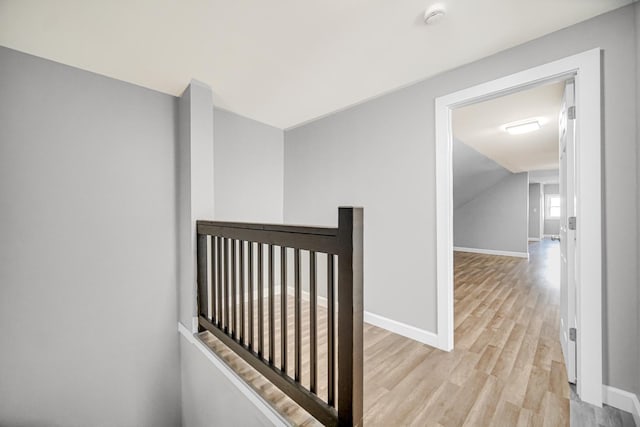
x=300, y=229
x=228, y=254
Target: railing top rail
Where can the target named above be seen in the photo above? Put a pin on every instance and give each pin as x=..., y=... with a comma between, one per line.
x=292, y=236
x=297, y=229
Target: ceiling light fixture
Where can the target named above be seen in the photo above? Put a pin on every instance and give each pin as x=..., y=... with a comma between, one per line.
x=520, y=128
x=434, y=13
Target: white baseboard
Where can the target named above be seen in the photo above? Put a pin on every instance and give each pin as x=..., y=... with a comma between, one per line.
x=416, y=334
x=322, y=301
x=534, y=239
x=623, y=400
x=492, y=252
x=403, y=329
x=265, y=408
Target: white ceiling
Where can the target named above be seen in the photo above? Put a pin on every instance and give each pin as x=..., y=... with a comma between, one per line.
x=281, y=62
x=481, y=126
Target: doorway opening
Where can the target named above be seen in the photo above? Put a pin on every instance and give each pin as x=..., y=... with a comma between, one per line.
x=583, y=70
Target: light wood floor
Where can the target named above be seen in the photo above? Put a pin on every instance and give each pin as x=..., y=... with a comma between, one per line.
x=506, y=370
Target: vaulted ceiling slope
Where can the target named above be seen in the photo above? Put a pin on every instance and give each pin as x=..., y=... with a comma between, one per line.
x=473, y=173
x=281, y=62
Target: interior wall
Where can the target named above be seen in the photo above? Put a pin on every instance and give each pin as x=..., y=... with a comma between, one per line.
x=637, y=15
x=535, y=211
x=380, y=155
x=209, y=398
x=248, y=168
x=496, y=219
x=551, y=225
x=545, y=176
x=88, y=251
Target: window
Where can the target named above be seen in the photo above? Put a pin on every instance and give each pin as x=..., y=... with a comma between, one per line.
x=553, y=206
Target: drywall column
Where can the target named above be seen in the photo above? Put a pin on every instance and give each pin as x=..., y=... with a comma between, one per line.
x=195, y=188
x=535, y=211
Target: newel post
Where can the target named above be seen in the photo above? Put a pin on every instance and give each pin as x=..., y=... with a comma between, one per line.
x=350, y=316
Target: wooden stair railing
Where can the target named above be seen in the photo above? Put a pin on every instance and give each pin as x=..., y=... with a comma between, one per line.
x=229, y=276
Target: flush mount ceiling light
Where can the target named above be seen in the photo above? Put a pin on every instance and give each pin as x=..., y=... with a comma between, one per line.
x=522, y=127
x=434, y=13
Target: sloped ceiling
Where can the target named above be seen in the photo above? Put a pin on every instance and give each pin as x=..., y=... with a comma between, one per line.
x=473, y=173
x=281, y=62
x=481, y=126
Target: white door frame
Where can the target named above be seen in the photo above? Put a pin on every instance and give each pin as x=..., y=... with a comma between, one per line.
x=586, y=69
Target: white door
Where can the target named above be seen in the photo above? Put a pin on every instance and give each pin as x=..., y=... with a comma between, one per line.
x=567, y=231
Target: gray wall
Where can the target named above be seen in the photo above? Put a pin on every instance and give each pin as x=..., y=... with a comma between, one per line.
x=473, y=173
x=535, y=210
x=497, y=218
x=637, y=390
x=88, y=249
x=546, y=176
x=209, y=398
x=248, y=169
x=551, y=226
x=381, y=155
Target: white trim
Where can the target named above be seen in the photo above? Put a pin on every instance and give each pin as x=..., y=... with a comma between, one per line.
x=534, y=239
x=265, y=408
x=417, y=334
x=585, y=68
x=492, y=252
x=622, y=400
x=548, y=236
x=421, y=335
x=322, y=301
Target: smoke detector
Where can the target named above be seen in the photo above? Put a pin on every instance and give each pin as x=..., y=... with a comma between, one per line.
x=434, y=13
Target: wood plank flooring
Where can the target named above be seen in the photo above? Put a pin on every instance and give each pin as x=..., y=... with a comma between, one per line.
x=506, y=370
x=584, y=414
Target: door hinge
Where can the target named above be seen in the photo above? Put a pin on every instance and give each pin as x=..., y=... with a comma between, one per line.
x=571, y=112
x=571, y=222
x=572, y=334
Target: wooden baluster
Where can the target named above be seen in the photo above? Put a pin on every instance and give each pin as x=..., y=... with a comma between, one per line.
x=212, y=256
x=330, y=331
x=219, y=271
x=227, y=299
x=313, y=335
x=260, y=301
x=283, y=309
x=202, y=279
x=250, y=296
x=298, y=318
x=272, y=342
x=241, y=252
x=233, y=331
